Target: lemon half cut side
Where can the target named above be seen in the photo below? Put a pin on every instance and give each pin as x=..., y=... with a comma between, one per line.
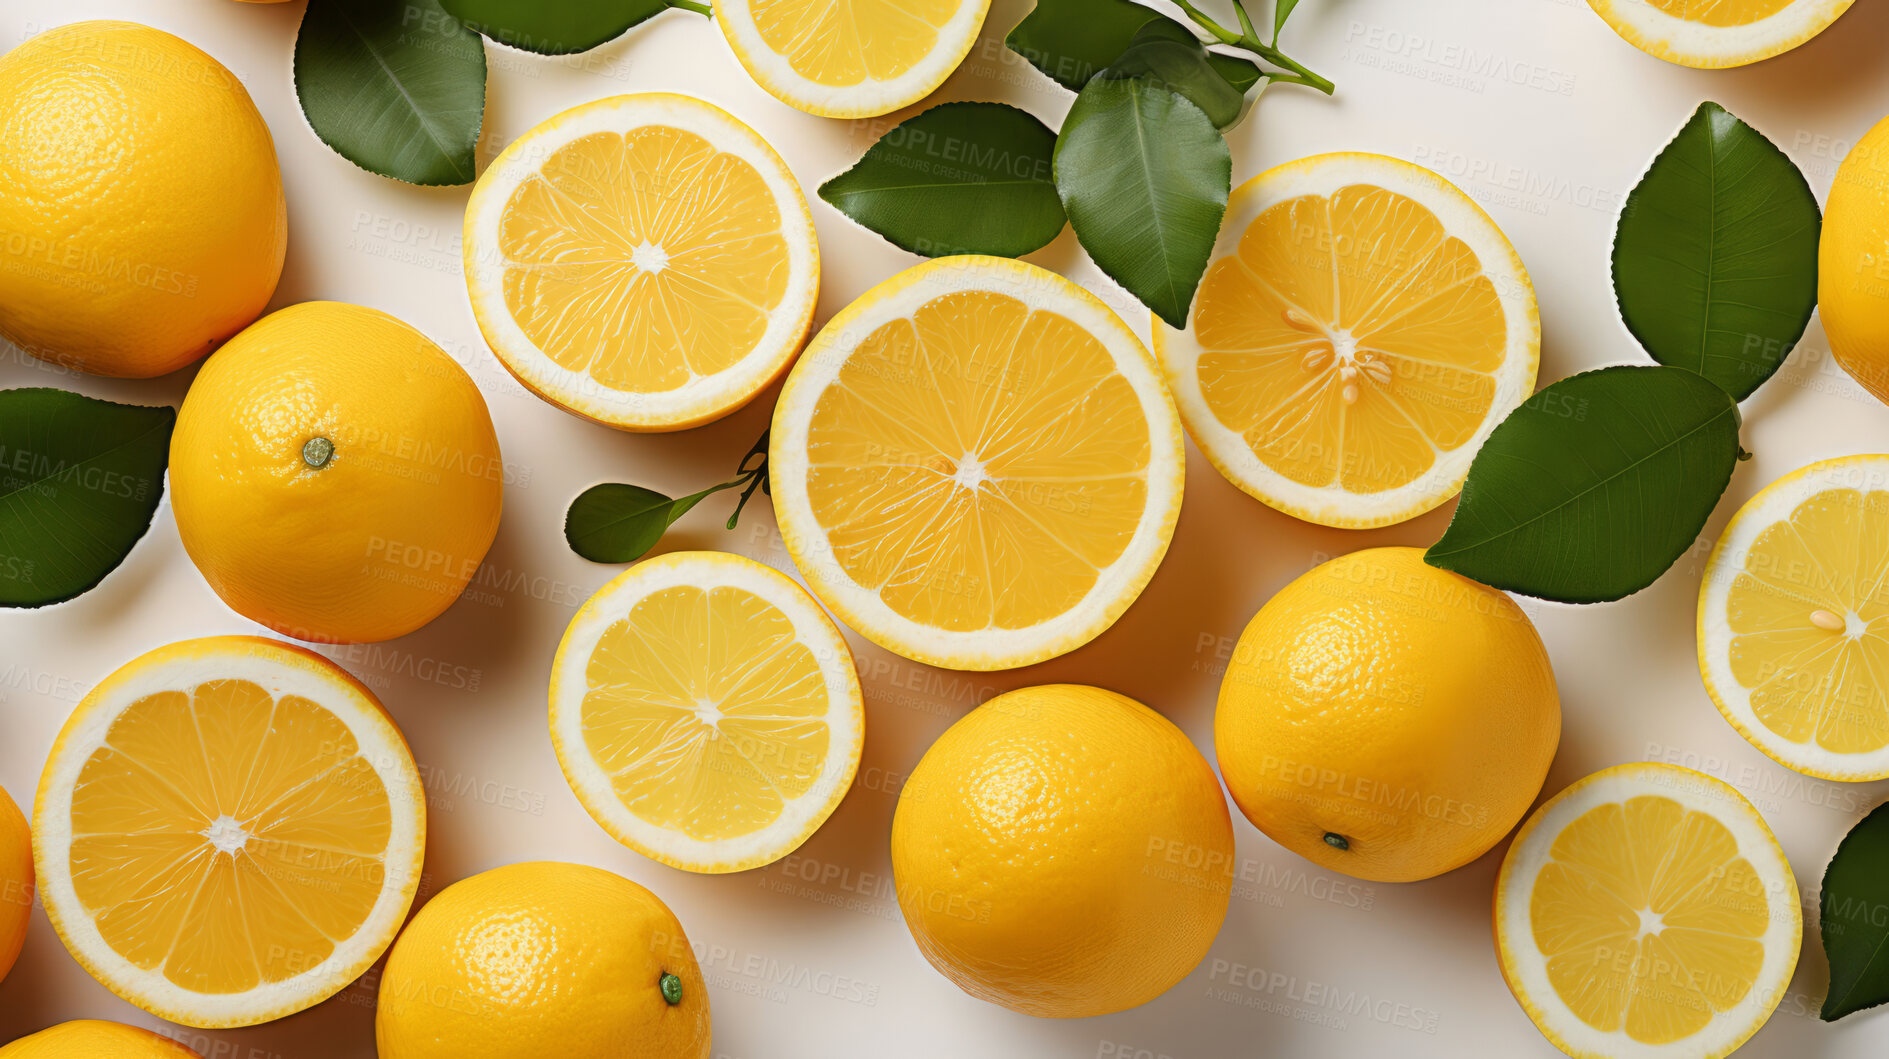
x=850, y=58
x=1712, y=34
x=228, y=830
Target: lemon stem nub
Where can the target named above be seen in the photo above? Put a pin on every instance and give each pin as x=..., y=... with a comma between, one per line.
x=671, y=987
x=316, y=452
x=1826, y=621
x=1336, y=841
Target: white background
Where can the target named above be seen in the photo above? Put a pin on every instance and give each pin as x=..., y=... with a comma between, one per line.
x=1534, y=106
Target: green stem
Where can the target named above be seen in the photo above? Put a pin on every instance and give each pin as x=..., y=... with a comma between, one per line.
x=690, y=5
x=1221, y=33
x=1278, y=58
x=1248, y=40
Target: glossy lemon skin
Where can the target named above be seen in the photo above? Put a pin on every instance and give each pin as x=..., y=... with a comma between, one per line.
x=1853, y=263
x=95, y=1039
x=542, y=959
x=144, y=220
x=1063, y=851
x=1407, y=711
x=16, y=881
x=383, y=537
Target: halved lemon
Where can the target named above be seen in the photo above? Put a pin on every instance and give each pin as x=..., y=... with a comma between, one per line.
x=646, y=261
x=228, y=830
x=850, y=58
x=706, y=712
x=976, y=464
x=1709, y=34
x=1647, y=911
x=1362, y=326
x=1794, y=619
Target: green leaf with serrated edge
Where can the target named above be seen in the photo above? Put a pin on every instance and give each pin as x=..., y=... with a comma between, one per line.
x=1279, y=15
x=1594, y=486
x=1144, y=177
x=1073, y=40
x=616, y=523
x=1715, y=257
x=79, y=481
x=1167, y=55
x=1853, y=918
x=960, y=178
x=553, y=27
x=397, y=89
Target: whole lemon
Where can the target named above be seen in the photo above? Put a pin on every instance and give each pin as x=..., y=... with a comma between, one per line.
x=1853, y=263
x=16, y=881
x=1063, y=851
x=335, y=474
x=143, y=220
x=95, y=1039
x=543, y=959
x=1387, y=719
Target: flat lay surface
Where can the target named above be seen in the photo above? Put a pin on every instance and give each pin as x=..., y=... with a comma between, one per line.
x=1536, y=109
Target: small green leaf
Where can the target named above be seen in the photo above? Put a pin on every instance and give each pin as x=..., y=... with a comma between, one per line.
x=1073, y=40
x=1715, y=258
x=1144, y=177
x=1165, y=54
x=616, y=523
x=1854, y=918
x=79, y=481
x=554, y=27
x=397, y=89
x=1594, y=486
x=1279, y=15
x=960, y=178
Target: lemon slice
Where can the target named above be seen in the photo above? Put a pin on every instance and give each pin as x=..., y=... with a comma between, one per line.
x=976, y=464
x=228, y=830
x=646, y=261
x=1710, y=34
x=1794, y=619
x=1646, y=912
x=706, y=711
x=1362, y=326
x=850, y=58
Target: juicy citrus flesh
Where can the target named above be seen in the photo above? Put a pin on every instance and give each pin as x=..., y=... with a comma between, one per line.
x=1809, y=683
x=845, y=42
x=384, y=535
x=540, y=959
x=643, y=259
x=707, y=711
x=1721, y=12
x=1351, y=339
x=966, y=483
x=95, y=1039
x=222, y=837
x=1063, y=851
x=1637, y=896
x=143, y=183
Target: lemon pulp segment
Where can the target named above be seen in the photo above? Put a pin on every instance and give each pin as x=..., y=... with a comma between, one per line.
x=1649, y=919
x=643, y=259
x=846, y=42
x=979, y=463
x=706, y=710
x=1809, y=622
x=227, y=838
x=1350, y=339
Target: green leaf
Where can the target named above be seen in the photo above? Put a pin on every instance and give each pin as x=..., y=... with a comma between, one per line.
x=960, y=178
x=1144, y=177
x=1715, y=258
x=1595, y=485
x=1165, y=54
x=1279, y=15
x=1854, y=918
x=616, y=523
x=1073, y=40
x=397, y=89
x=79, y=481
x=554, y=27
